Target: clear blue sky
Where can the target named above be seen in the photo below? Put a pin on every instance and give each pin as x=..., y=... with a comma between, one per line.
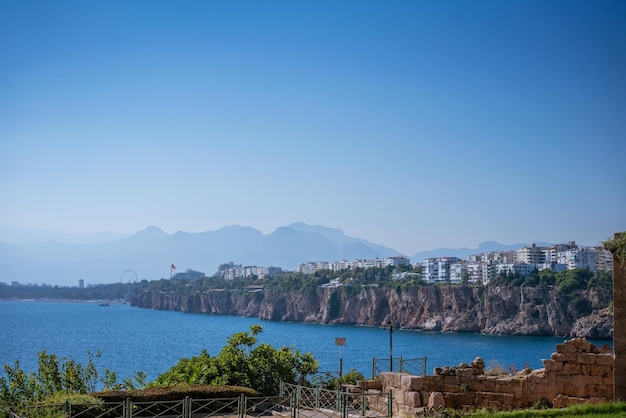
x=412, y=124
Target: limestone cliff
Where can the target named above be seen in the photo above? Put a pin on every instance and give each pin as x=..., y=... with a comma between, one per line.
x=490, y=310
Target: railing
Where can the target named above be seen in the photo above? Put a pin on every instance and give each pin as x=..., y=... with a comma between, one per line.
x=241, y=407
x=414, y=366
x=337, y=403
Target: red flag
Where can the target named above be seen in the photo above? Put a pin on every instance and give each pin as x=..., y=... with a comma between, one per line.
x=173, y=267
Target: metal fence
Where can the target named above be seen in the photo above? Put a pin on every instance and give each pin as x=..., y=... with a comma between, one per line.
x=414, y=366
x=319, y=403
x=241, y=407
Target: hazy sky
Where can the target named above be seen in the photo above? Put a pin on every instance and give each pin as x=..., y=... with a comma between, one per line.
x=412, y=124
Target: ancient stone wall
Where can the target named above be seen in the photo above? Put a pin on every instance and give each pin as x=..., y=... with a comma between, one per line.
x=578, y=372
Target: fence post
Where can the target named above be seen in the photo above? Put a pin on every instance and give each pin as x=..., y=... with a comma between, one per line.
x=400, y=365
x=373, y=366
x=424, y=370
x=294, y=404
x=344, y=405
x=317, y=397
x=67, y=408
x=389, y=404
x=187, y=407
x=241, y=409
x=363, y=400
x=129, y=410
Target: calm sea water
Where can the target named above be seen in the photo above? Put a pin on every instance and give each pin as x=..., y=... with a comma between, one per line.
x=133, y=339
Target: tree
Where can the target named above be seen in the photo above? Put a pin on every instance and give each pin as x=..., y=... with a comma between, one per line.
x=53, y=377
x=244, y=362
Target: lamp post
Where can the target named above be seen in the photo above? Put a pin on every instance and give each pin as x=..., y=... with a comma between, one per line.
x=390, y=325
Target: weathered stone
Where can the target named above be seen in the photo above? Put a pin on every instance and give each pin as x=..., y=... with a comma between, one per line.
x=552, y=365
x=412, y=399
x=411, y=383
x=572, y=368
x=603, y=371
x=604, y=360
x=587, y=358
x=435, y=400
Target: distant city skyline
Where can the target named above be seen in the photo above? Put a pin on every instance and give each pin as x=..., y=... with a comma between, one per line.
x=414, y=125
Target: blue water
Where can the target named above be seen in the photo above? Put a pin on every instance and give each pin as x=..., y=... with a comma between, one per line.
x=133, y=339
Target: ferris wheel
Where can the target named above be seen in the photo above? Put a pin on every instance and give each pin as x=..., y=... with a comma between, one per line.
x=129, y=276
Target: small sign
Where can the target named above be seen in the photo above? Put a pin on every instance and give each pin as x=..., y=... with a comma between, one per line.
x=340, y=341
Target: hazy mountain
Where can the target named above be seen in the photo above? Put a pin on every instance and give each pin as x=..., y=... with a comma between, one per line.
x=35, y=257
x=150, y=252
x=15, y=235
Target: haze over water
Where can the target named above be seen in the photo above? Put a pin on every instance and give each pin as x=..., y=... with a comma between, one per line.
x=133, y=339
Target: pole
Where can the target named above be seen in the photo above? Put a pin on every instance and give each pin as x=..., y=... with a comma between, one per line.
x=390, y=345
x=340, y=368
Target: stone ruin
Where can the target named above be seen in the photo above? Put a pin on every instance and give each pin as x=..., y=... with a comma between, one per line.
x=577, y=373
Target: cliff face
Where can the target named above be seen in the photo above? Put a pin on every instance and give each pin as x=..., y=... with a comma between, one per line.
x=490, y=310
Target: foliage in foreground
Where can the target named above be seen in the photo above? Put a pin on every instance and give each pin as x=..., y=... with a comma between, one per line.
x=243, y=366
x=54, y=376
x=243, y=362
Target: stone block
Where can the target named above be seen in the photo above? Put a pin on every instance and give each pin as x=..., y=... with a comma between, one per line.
x=412, y=399
x=586, y=369
x=560, y=348
x=603, y=371
x=451, y=380
x=370, y=384
x=458, y=400
x=571, y=357
x=411, y=383
x=604, y=360
x=451, y=388
x=552, y=366
x=572, y=369
x=558, y=357
x=435, y=400
x=386, y=379
x=508, y=400
x=586, y=358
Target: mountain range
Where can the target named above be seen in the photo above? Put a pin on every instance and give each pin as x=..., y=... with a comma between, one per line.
x=62, y=259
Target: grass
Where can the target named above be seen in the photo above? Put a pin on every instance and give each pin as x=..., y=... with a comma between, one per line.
x=605, y=410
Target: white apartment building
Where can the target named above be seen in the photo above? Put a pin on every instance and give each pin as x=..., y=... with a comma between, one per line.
x=232, y=271
x=458, y=271
x=515, y=268
x=313, y=266
x=437, y=270
x=578, y=258
x=531, y=255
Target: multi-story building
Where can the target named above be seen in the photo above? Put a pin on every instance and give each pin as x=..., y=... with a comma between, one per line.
x=437, y=270
x=458, y=271
x=516, y=268
x=313, y=266
x=531, y=255
x=232, y=271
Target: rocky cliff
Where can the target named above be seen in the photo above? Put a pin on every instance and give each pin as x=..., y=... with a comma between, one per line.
x=490, y=310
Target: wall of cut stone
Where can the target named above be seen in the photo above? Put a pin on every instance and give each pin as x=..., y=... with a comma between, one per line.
x=578, y=372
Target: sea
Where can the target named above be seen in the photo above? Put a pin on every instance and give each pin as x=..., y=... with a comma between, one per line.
x=132, y=339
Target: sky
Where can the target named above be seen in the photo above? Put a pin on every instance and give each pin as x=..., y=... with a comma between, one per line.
x=412, y=124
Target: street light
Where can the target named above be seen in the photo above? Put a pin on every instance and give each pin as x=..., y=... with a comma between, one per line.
x=390, y=325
